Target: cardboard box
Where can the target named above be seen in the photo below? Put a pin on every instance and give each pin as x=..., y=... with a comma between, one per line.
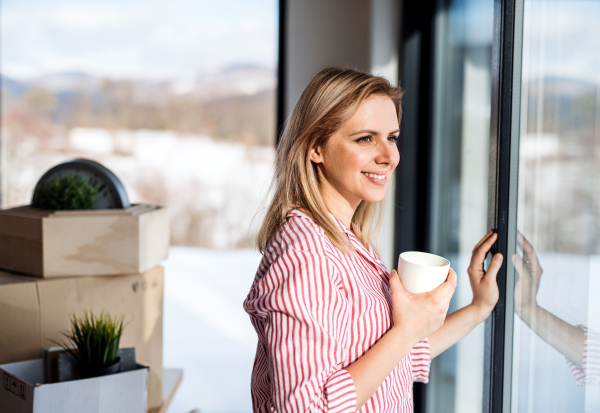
x=83, y=243
x=34, y=310
x=25, y=391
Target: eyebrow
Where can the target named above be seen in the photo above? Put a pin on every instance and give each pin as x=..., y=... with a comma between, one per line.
x=372, y=132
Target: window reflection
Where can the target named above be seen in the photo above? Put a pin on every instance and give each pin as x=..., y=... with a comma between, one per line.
x=556, y=347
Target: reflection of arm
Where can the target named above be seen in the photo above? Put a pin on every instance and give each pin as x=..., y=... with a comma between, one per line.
x=580, y=346
x=567, y=339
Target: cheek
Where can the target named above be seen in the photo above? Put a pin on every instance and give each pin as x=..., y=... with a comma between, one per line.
x=395, y=158
x=349, y=161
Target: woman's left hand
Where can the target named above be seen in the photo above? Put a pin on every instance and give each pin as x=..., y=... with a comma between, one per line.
x=483, y=284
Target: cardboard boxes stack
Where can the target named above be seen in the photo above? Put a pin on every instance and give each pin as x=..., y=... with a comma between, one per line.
x=55, y=263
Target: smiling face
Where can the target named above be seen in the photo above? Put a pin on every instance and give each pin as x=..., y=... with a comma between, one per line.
x=358, y=159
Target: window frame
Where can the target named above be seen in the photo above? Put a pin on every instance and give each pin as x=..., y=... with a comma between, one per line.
x=503, y=196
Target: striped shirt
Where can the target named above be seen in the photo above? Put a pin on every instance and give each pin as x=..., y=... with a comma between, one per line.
x=317, y=310
x=590, y=373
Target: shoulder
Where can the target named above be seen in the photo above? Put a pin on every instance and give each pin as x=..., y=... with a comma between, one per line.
x=298, y=258
x=299, y=232
x=301, y=247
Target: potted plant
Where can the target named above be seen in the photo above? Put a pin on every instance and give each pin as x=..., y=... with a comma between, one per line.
x=66, y=192
x=94, y=343
x=81, y=223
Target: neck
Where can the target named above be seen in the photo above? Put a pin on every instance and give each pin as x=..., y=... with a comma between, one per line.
x=338, y=205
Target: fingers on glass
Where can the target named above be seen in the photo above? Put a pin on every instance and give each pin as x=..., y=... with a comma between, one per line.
x=483, y=240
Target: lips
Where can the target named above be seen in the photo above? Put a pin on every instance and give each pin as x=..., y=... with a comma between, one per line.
x=377, y=179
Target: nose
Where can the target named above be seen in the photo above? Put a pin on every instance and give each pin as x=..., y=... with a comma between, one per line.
x=387, y=154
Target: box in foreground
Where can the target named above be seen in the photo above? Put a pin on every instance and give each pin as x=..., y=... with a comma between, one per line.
x=35, y=311
x=25, y=391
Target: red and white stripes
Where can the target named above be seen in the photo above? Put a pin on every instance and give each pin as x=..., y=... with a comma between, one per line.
x=316, y=310
x=590, y=373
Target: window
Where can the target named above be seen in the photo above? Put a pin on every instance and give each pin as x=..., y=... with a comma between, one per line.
x=556, y=341
x=177, y=98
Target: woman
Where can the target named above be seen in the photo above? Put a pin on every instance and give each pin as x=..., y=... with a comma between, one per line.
x=337, y=332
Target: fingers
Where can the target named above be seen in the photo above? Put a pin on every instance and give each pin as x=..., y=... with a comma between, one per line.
x=395, y=282
x=485, y=237
x=494, y=266
x=482, y=250
x=446, y=288
x=525, y=244
x=452, y=278
x=518, y=263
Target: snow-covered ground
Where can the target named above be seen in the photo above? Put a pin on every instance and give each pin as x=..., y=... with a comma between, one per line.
x=206, y=331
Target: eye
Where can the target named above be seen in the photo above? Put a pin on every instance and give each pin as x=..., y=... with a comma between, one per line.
x=367, y=138
x=393, y=138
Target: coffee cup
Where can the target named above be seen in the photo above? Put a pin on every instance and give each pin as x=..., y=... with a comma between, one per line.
x=421, y=272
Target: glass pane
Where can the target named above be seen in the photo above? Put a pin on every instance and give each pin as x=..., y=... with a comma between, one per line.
x=556, y=347
x=177, y=98
x=462, y=96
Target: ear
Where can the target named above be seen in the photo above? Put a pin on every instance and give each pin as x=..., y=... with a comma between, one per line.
x=316, y=155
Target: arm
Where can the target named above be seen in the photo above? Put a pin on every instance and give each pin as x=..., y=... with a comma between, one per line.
x=485, y=297
x=415, y=316
x=564, y=337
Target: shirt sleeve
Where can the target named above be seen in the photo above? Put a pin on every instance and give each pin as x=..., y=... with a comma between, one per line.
x=306, y=324
x=590, y=373
x=420, y=361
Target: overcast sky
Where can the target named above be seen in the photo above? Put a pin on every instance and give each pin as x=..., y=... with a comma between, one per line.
x=159, y=39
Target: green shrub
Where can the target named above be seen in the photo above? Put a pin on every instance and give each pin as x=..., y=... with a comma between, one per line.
x=95, y=340
x=66, y=192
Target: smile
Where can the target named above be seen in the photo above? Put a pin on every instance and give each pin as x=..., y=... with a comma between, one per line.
x=374, y=176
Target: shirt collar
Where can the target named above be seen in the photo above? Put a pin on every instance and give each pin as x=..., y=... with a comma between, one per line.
x=369, y=254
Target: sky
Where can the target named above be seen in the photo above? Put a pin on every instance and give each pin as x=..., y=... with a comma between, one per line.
x=154, y=39
x=562, y=39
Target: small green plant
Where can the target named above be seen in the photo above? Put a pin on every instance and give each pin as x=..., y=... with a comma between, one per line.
x=67, y=192
x=94, y=340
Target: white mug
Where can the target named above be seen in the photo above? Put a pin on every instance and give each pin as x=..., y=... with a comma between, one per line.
x=421, y=272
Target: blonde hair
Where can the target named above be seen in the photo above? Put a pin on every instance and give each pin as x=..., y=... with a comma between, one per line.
x=330, y=99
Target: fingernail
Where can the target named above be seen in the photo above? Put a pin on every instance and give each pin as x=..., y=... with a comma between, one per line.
x=498, y=257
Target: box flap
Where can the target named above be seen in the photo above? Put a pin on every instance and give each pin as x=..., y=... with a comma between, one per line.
x=30, y=371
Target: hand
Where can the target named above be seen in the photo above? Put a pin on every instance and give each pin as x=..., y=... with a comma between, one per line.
x=530, y=274
x=483, y=284
x=419, y=315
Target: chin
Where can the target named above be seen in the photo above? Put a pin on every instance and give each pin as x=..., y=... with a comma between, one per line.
x=373, y=198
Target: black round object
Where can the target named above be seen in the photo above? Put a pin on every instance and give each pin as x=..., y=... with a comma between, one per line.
x=104, y=371
x=111, y=192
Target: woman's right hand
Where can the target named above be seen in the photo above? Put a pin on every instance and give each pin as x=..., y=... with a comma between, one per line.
x=419, y=315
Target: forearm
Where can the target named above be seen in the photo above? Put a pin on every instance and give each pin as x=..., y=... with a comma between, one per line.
x=369, y=371
x=457, y=325
x=564, y=337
